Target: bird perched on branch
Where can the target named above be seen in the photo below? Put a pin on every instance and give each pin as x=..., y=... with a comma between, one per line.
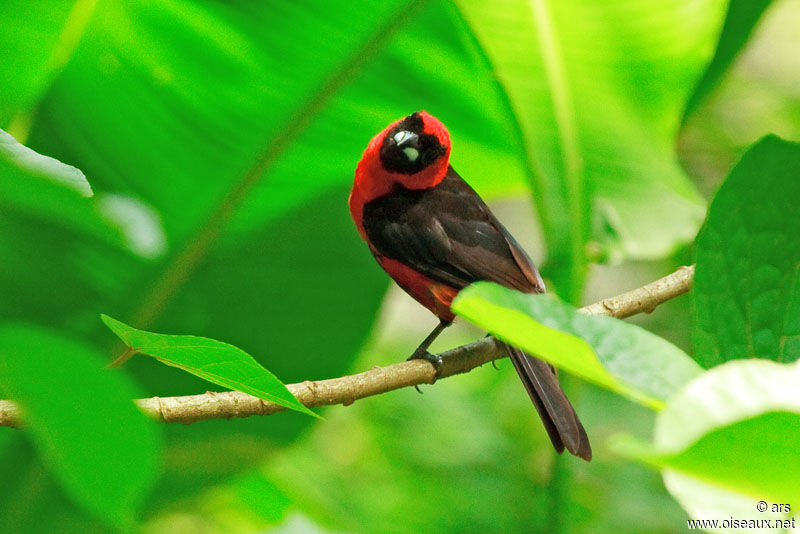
x=434, y=236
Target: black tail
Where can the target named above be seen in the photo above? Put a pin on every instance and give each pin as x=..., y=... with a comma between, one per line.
x=559, y=418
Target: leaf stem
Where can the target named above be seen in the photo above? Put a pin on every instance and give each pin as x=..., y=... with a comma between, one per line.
x=120, y=360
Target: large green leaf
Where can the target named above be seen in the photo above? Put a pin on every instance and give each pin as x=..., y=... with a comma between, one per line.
x=611, y=353
x=82, y=419
x=598, y=89
x=741, y=19
x=732, y=431
x=747, y=281
x=212, y=360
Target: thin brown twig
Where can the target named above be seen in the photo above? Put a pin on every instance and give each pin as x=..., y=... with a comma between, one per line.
x=348, y=389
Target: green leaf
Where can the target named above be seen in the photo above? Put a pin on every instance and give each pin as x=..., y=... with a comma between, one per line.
x=82, y=419
x=611, y=353
x=598, y=89
x=212, y=360
x=735, y=427
x=716, y=428
x=747, y=280
x=740, y=20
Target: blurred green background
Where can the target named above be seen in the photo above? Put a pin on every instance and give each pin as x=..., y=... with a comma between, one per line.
x=220, y=140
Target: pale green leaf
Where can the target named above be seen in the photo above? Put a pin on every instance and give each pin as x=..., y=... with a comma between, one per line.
x=730, y=435
x=598, y=90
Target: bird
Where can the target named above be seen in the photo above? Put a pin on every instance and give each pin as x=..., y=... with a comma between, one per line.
x=434, y=235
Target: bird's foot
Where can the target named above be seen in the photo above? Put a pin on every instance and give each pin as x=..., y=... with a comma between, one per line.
x=433, y=359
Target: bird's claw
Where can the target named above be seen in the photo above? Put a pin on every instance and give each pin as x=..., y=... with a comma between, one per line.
x=433, y=359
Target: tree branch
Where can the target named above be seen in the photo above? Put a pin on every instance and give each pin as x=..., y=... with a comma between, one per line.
x=348, y=389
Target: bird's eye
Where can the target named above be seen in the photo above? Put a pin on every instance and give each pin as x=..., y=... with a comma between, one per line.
x=401, y=136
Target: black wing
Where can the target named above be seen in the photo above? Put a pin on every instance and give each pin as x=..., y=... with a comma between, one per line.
x=448, y=234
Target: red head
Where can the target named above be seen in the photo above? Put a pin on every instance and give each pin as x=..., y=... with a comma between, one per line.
x=413, y=152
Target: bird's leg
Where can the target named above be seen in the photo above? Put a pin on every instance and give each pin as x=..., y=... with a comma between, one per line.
x=422, y=351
